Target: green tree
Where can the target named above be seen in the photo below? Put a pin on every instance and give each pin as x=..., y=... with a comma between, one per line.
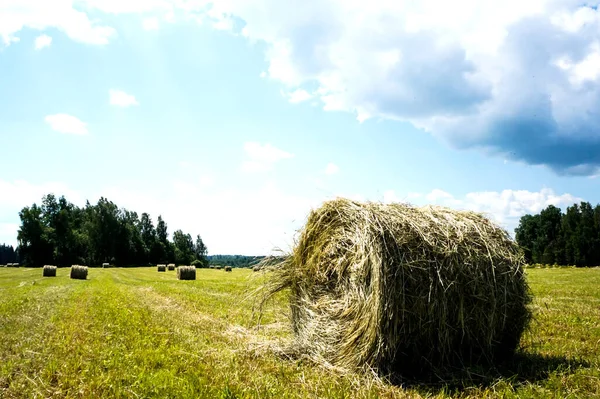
x=549, y=243
x=200, y=251
x=165, y=249
x=184, y=248
x=571, y=231
x=526, y=236
x=35, y=246
x=148, y=234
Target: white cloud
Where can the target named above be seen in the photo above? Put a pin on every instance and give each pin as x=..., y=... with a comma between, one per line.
x=16, y=15
x=331, y=169
x=390, y=196
x=206, y=181
x=42, y=41
x=262, y=157
x=68, y=124
x=505, y=207
x=121, y=99
x=298, y=96
x=150, y=23
x=130, y=6
x=488, y=78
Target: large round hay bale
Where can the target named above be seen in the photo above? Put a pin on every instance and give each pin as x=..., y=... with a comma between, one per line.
x=227, y=268
x=105, y=265
x=79, y=272
x=49, y=271
x=186, y=273
x=403, y=289
x=161, y=268
x=171, y=266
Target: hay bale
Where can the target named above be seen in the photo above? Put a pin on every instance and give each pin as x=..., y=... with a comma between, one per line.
x=105, y=265
x=171, y=266
x=211, y=267
x=79, y=272
x=161, y=268
x=49, y=271
x=186, y=273
x=256, y=268
x=227, y=268
x=403, y=289
x=218, y=267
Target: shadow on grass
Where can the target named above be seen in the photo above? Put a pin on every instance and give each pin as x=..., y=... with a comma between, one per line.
x=522, y=368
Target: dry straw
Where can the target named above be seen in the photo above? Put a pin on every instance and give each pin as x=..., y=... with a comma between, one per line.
x=186, y=273
x=398, y=288
x=161, y=268
x=227, y=268
x=49, y=271
x=79, y=272
x=171, y=266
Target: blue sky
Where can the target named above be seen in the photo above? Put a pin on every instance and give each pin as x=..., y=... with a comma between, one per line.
x=233, y=120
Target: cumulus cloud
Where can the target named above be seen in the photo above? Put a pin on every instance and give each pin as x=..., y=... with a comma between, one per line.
x=517, y=79
x=42, y=41
x=262, y=157
x=150, y=23
x=298, y=96
x=16, y=15
x=505, y=207
x=121, y=99
x=331, y=169
x=68, y=124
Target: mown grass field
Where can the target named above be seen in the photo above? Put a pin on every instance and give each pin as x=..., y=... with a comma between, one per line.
x=137, y=333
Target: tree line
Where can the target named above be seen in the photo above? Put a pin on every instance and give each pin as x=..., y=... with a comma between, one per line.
x=554, y=237
x=8, y=254
x=60, y=233
x=234, y=260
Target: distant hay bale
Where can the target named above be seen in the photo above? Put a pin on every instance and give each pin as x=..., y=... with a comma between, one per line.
x=211, y=267
x=186, y=273
x=79, y=272
x=49, y=271
x=105, y=265
x=171, y=266
x=218, y=267
x=403, y=289
x=256, y=268
x=227, y=268
x=161, y=268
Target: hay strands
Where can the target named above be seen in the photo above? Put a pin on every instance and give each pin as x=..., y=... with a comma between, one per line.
x=398, y=288
x=49, y=271
x=79, y=272
x=186, y=273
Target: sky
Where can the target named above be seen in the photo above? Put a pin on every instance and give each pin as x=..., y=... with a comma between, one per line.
x=233, y=119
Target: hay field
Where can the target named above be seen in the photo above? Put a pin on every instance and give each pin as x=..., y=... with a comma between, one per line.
x=133, y=333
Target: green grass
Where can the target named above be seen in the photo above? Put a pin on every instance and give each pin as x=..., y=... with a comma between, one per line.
x=137, y=333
